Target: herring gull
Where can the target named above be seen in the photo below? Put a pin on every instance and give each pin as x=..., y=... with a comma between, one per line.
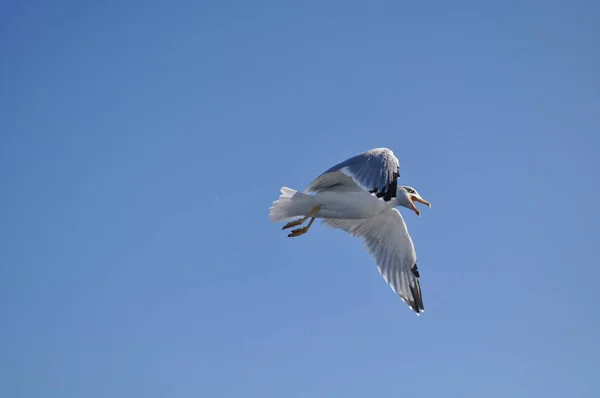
x=360, y=196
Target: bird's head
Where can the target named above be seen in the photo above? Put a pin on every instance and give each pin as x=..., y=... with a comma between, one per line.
x=407, y=196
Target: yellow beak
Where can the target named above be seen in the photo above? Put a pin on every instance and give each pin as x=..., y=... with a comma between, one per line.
x=421, y=200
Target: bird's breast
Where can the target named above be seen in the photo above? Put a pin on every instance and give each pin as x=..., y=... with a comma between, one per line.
x=348, y=205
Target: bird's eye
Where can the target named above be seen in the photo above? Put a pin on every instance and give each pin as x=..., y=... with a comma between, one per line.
x=410, y=190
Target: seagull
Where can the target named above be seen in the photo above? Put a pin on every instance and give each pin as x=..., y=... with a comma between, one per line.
x=360, y=196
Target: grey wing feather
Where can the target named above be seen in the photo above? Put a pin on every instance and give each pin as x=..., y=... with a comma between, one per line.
x=376, y=171
x=386, y=238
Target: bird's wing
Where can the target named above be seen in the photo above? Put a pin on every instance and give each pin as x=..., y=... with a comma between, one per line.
x=386, y=238
x=375, y=171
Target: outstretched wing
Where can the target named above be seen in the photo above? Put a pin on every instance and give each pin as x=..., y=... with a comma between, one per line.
x=375, y=171
x=386, y=238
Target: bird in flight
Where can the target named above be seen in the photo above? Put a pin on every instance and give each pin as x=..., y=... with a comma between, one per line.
x=360, y=196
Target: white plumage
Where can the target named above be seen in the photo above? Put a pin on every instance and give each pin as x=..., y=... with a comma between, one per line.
x=359, y=196
x=386, y=238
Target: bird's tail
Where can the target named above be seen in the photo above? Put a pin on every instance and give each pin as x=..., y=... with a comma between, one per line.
x=290, y=204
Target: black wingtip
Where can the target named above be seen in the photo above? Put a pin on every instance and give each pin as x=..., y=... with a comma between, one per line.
x=392, y=188
x=389, y=191
x=415, y=271
x=416, y=304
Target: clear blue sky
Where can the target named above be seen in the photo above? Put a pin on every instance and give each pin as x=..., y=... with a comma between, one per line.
x=143, y=142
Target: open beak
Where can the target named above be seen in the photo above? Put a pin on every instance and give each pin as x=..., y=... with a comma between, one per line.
x=420, y=200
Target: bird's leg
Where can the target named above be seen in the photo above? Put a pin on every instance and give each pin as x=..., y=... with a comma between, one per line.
x=301, y=221
x=302, y=231
x=295, y=223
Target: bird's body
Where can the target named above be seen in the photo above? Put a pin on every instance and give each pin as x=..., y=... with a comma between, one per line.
x=359, y=196
x=331, y=204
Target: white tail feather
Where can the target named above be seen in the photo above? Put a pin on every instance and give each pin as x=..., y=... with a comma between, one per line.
x=290, y=204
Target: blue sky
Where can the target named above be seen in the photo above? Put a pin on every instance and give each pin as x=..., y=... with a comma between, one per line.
x=143, y=142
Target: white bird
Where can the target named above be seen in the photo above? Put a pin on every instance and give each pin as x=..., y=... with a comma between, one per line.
x=359, y=196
